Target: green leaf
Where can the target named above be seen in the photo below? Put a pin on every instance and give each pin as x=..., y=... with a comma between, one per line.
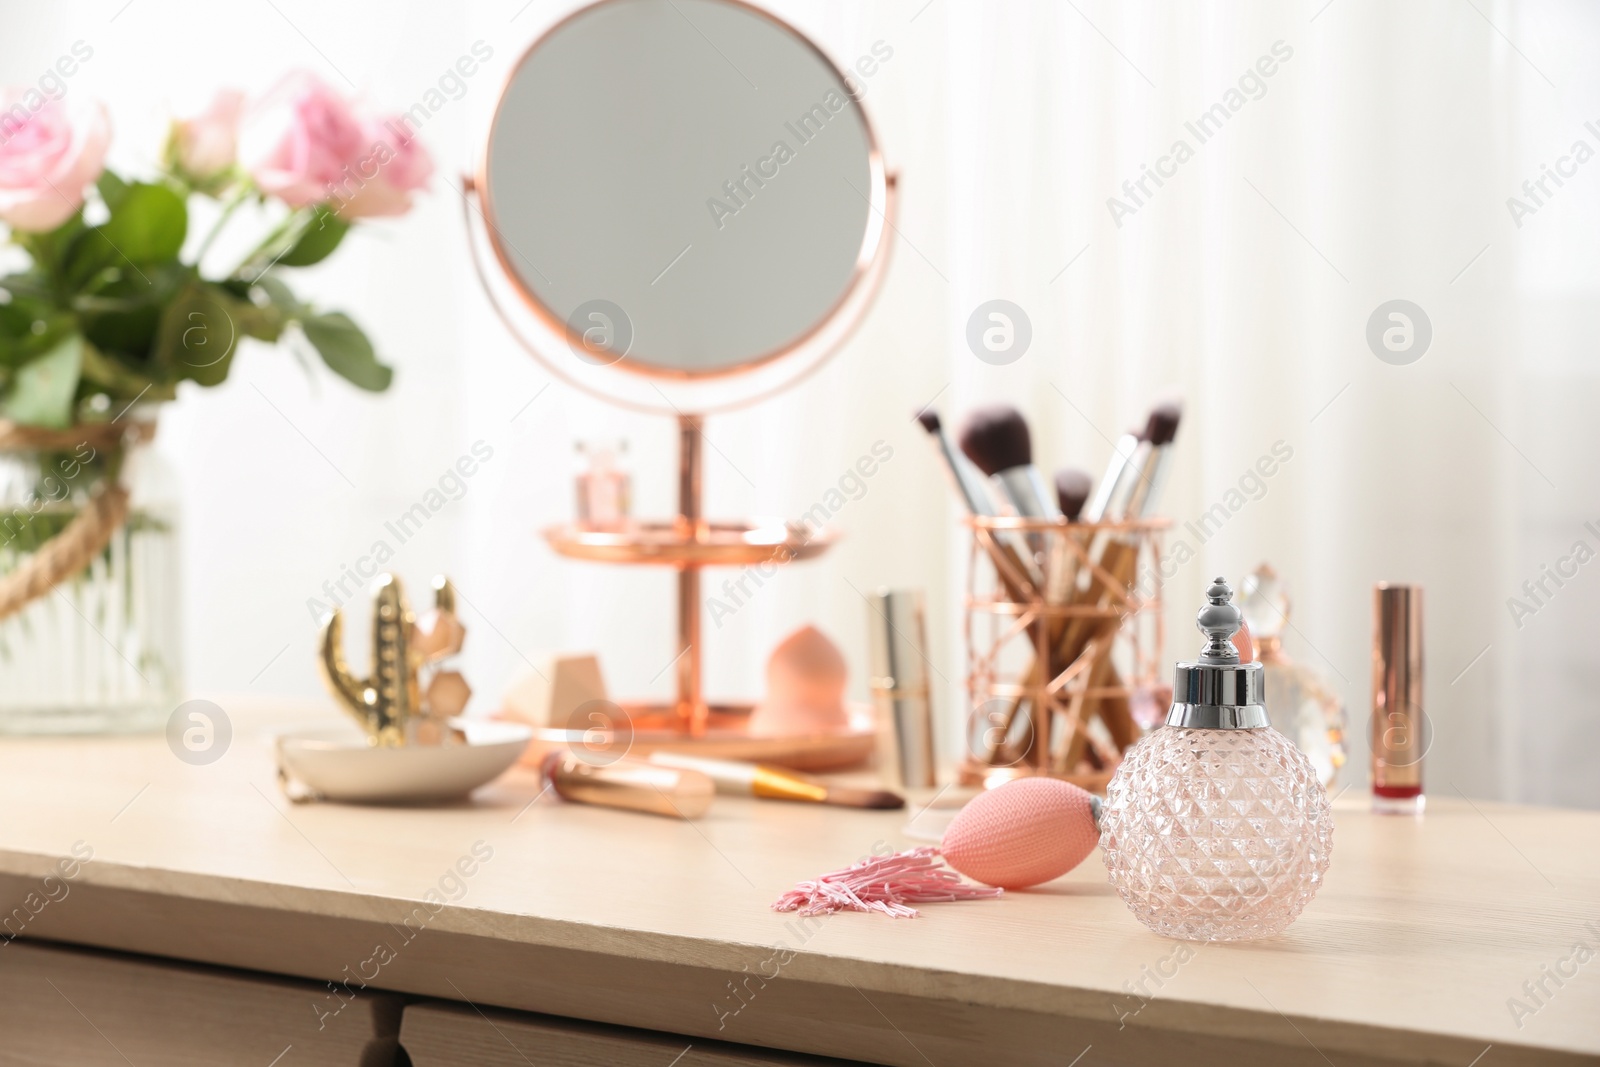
x=269, y=307
x=148, y=224
x=281, y=296
x=112, y=189
x=346, y=350
x=266, y=306
x=321, y=234
x=42, y=391
x=29, y=329
x=264, y=322
x=120, y=381
x=122, y=313
x=199, y=334
x=49, y=250
x=22, y=304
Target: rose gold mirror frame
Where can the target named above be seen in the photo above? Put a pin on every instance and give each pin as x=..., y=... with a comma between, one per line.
x=694, y=545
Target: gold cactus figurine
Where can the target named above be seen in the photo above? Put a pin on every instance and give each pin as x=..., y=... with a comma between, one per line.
x=392, y=706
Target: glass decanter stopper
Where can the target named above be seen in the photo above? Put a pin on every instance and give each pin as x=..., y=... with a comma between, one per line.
x=1215, y=827
x=1305, y=709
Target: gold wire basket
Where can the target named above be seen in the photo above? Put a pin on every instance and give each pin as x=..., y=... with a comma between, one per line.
x=1064, y=646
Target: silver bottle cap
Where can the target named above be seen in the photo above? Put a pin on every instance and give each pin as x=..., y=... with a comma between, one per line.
x=1217, y=692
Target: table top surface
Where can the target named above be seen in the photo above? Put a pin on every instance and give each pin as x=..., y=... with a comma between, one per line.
x=1426, y=925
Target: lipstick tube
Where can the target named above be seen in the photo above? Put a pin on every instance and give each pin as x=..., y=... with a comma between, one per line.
x=898, y=668
x=1398, y=742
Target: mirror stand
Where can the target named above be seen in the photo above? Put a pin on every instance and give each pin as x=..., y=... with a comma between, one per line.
x=691, y=713
x=747, y=315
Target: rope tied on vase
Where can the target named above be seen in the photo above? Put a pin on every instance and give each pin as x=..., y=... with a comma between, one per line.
x=88, y=533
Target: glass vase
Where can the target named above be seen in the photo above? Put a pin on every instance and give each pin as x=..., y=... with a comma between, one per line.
x=98, y=652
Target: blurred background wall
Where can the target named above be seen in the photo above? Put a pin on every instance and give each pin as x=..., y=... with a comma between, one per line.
x=1374, y=163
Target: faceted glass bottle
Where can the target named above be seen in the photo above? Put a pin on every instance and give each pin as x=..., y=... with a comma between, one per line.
x=1305, y=709
x=1216, y=827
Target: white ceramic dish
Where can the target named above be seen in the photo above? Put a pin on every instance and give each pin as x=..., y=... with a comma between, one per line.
x=339, y=765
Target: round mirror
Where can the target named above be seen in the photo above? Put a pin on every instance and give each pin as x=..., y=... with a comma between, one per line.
x=683, y=189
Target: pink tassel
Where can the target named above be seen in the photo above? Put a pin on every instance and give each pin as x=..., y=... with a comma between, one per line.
x=884, y=883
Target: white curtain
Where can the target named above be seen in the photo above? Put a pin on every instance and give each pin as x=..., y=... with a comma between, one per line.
x=1373, y=163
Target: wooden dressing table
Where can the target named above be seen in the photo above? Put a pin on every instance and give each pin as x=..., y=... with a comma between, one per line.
x=213, y=915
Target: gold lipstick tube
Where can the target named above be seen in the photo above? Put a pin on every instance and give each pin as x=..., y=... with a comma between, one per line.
x=1398, y=721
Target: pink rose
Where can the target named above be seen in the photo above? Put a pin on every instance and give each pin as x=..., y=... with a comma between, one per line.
x=394, y=166
x=50, y=151
x=299, y=140
x=204, y=146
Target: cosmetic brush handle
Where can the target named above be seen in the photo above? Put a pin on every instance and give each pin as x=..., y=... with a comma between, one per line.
x=1067, y=637
x=1063, y=635
x=1105, y=492
x=1119, y=723
x=1068, y=642
x=1062, y=565
x=1118, y=553
x=630, y=784
x=974, y=490
x=1025, y=488
x=731, y=777
x=965, y=479
x=1118, y=560
x=1020, y=588
x=736, y=778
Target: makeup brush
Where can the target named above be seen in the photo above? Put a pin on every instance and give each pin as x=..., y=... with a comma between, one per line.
x=996, y=439
x=629, y=784
x=974, y=493
x=1159, y=432
x=1118, y=556
x=1118, y=470
x=967, y=482
x=774, y=783
x=1138, y=476
x=1072, y=492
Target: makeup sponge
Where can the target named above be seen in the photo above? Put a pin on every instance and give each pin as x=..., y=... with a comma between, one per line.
x=1022, y=833
x=806, y=678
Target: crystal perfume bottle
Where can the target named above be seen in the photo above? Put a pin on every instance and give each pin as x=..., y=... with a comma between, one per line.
x=1215, y=827
x=1305, y=709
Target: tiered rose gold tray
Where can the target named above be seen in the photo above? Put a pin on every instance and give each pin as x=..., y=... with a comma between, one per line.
x=688, y=543
x=673, y=543
x=654, y=728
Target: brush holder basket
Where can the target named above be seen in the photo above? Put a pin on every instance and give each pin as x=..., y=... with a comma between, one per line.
x=1064, y=642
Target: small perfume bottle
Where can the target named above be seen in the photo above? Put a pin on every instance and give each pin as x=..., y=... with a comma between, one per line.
x=1215, y=827
x=1305, y=709
x=603, y=486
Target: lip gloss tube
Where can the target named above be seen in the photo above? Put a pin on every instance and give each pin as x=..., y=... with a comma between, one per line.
x=1398, y=744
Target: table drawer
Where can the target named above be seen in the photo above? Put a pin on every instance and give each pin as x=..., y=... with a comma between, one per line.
x=62, y=1005
x=436, y=1034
